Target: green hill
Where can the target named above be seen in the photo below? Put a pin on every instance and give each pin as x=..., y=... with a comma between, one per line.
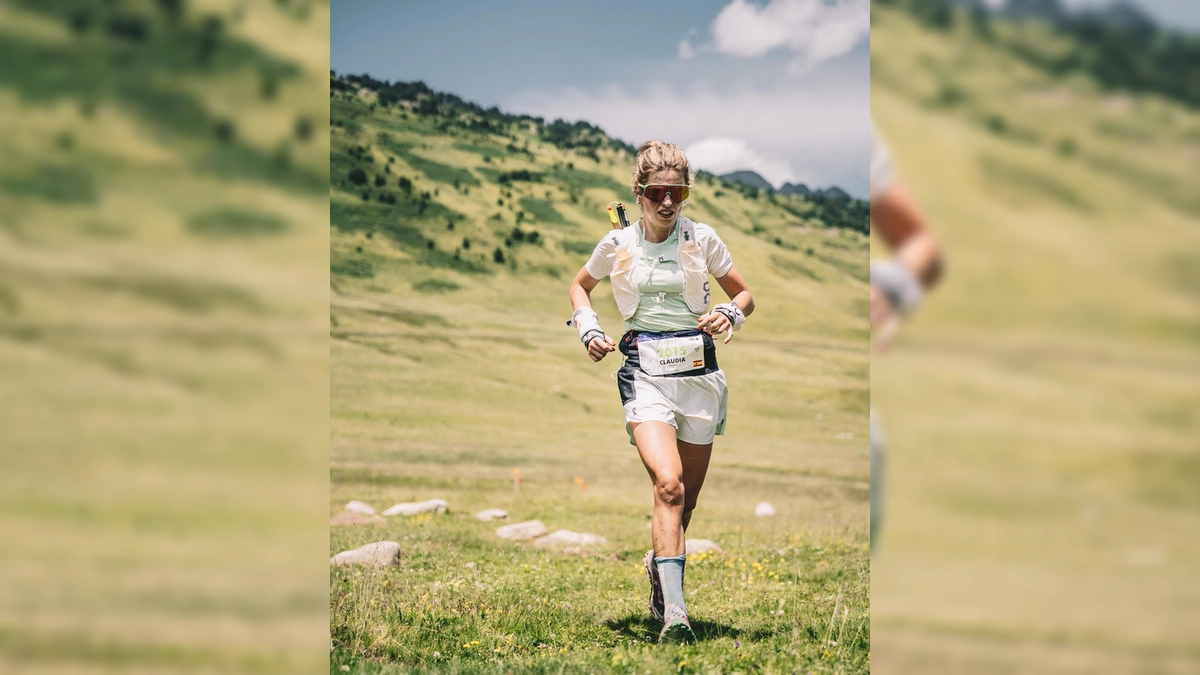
x=445, y=186
x=163, y=335
x=1040, y=410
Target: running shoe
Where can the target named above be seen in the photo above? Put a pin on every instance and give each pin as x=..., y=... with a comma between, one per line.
x=656, y=592
x=677, y=627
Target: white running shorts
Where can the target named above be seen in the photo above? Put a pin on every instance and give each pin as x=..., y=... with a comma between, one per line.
x=696, y=406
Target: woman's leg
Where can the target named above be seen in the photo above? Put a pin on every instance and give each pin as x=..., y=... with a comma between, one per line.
x=694, y=460
x=678, y=469
x=660, y=454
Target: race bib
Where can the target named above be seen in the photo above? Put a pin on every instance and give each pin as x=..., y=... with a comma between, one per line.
x=667, y=356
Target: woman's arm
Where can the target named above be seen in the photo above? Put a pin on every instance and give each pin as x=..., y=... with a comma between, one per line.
x=739, y=293
x=715, y=323
x=896, y=217
x=581, y=298
x=900, y=222
x=581, y=289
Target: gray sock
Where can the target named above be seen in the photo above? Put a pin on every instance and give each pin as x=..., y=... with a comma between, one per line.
x=670, y=572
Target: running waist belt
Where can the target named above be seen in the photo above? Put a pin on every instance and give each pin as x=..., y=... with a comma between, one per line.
x=684, y=353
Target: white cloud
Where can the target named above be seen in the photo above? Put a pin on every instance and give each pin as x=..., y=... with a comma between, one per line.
x=721, y=155
x=685, y=50
x=813, y=30
x=819, y=131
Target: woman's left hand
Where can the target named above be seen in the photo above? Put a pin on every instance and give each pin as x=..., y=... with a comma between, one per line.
x=715, y=323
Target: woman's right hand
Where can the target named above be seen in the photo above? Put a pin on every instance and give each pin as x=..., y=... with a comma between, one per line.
x=599, y=347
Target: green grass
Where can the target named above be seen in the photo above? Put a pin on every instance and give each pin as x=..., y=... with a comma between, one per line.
x=541, y=211
x=58, y=184
x=165, y=393
x=577, y=179
x=434, y=171
x=583, y=249
x=443, y=394
x=1040, y=410
x=354, y=267
x=236, y=222
x=1024, y=181
x=435, y=286
x=482, y=149
x=464, y=603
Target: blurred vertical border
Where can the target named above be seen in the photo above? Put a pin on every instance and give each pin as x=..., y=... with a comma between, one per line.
x=1043, y=510
x=163, y=336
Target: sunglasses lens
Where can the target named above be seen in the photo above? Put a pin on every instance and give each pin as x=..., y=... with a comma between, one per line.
x=657, y=193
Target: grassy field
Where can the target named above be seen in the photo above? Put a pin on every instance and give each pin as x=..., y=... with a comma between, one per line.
x=450, y=371
x=1041, y=411
x=163, y=337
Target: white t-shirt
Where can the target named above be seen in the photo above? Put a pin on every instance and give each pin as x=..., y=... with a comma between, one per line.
x=662, y=307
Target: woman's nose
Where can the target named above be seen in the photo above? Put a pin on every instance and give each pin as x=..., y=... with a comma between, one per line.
x=667, y=199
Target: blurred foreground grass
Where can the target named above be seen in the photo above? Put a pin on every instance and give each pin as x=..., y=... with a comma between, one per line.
x=163, y=336
x=1041, y=418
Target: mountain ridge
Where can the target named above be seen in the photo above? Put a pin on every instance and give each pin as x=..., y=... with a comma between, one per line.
x=753, y=179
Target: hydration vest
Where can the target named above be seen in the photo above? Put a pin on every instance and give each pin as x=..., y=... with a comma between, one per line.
x=629, y=268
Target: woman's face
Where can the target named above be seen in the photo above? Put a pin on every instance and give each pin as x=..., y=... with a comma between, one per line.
x=662, y=214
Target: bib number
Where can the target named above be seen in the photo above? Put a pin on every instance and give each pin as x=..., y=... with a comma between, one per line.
x=668, y=356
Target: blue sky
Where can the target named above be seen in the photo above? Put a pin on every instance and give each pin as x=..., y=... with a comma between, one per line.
x=781, y=88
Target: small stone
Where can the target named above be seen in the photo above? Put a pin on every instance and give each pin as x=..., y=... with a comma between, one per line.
x=526, y=530
x=764, y=509
x=382, y=553
x=565, y=537
x=360, y=507
x=344, y=669
x=699, y=546
x=492, y=514
x=416, y=508
x=348, y=518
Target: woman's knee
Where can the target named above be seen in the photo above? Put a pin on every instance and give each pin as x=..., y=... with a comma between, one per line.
x=669, y=490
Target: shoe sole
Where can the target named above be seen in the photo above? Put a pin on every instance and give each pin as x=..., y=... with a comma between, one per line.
x=677, y=633
x=656, y=597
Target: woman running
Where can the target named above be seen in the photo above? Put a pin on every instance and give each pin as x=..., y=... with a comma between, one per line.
x=674, y=394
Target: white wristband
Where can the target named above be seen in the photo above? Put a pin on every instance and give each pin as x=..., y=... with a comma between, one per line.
x=733, y=313
x=898, y=283
x=585, y=321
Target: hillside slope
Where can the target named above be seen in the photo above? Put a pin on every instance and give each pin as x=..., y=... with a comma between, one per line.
x=163, y=336
x=455, y=196
x=1040, y=411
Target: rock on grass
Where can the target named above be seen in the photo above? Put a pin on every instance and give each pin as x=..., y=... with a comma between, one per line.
x=764, y=509
x=379, y=553
x=567, y=537
x=356, y=506
x=699, y=546
x=492, y=514
x=526, y=530
x=416, y=508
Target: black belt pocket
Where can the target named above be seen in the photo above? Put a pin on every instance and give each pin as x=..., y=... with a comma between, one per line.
x=628, y=347
x=625, y=383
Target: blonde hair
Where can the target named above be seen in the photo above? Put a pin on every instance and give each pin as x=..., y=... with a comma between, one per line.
x=659, y=156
